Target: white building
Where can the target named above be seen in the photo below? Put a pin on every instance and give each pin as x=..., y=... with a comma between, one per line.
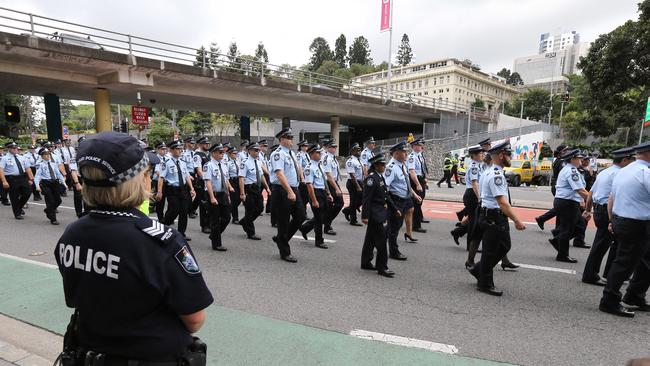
x=558, y=42
x=561, y=60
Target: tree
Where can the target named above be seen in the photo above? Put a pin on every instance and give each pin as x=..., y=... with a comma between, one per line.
x=340, y=52
x=381, y=67
x=404, y=53
x=320, y=52
x=201, y=57
x=361, y=69
x=536, y=104
x=359, y=52
x=160, y=131
x=260, y=53
x=515, y=79
x=233, y=57
x=504, y=73
x=478, y=103
x=213, y=56
x=195, y=123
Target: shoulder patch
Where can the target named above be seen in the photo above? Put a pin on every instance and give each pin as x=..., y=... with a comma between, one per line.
x=370, y=182
x=498, y=180
x=349, y=163
x=307, y=171
x=389, y=171
x=155, y=229
x=474, y=170
x=242, y=166
x=575, y=177
x=276, y=157
x=185, y=258
x=410, y=159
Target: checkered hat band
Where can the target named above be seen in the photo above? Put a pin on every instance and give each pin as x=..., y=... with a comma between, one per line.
x=131, y=172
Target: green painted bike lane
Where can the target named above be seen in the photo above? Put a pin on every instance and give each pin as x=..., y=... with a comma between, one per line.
x=34, y=294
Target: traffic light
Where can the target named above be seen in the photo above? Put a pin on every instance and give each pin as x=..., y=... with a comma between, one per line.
x=12, y=114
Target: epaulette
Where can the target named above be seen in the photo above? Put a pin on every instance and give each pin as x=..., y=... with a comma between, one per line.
x=155, y=229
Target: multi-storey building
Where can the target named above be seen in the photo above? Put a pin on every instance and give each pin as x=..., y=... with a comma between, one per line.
x=557, y=42
x=535, y=69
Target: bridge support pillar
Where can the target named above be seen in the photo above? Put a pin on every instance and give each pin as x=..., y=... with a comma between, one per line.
x=102, y=110
x=286, y=122
x=335, y=122
x=53, y=117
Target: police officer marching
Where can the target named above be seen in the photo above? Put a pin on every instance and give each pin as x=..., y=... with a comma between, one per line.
x=558, y=164
x=215, y=175
x=493, y=219
x=354, y=185
x=251, y=184
x=629, y=211
x=332, y=171
x=269, y=200
x=201, y=157
x=319, y=196
x=3, y=191
x=68, y=155
x=399, y=188
x=110, y=282
x=570, y=193
x=286, y=202
x=417, y=168
x=159, y=194
x=367, y=154
x=233, y=161
x=33, y=158
x=597, y=201
x=303, y=161
x=374, y=213
x=17, y=178
x=177, y=185
x=188, y=157
x=243, y=152
x=49, y=181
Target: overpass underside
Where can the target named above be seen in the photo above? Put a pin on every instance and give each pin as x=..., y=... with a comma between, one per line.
x=37, y=66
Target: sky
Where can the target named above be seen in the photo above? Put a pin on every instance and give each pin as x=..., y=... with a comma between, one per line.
x=492, y=33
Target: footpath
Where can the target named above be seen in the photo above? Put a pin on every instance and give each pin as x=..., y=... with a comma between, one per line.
x=33, y=317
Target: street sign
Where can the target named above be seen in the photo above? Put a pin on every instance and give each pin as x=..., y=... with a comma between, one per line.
x=139, y=115
x=65, y=132
x=646, y=121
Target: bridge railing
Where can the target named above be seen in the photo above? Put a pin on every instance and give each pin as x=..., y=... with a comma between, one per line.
x=24, y=23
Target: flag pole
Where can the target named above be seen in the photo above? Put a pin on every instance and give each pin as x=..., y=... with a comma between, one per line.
x=390, y=44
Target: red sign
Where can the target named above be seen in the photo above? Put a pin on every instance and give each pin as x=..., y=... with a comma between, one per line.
x=385, y=15
x=646, y=123
x=139, y=115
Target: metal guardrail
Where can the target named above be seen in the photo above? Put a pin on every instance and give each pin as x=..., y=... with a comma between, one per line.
x=67, y=32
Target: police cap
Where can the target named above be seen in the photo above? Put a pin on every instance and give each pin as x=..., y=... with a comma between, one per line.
x=117, y=154
x=570, y=154
x=153, y=158
x=80, y=139
x=263, y=142
x=227, y=145
x=561, y=148
x=175, y=144
x=400, y=146
x=642, y=147
x=203, y=140
x=189, y=140
x=31, y=147
x=622, y=153
x=314, y=148
x=303, y=143
x=43, y=150
x=370, y=140
x=10, y=145
x=504, y=146
x=475, y=150
x=58, y=141
x=419, y=141
x=377, y=159
x=161, y=145
x=253, y=146
x=355, y=146
x=243, y=143
x=274, y=147
x=487, y=141
x=330, y=143
x=216, y=147
x=285, y=133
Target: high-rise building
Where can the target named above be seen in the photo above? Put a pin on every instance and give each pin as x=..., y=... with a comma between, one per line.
x=551, y=65
x=558, y=42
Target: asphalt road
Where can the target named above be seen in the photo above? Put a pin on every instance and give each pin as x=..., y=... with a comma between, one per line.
x=545, y=317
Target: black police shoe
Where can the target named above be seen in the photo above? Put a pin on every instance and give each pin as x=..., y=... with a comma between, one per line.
x=253, y=237
x=425, y=221
x=490, y=290
x=6, y=203
x=566, y=259
x=321, y=245
x=459, y=215
x=290, y=259
x=596, y=282
x=22, y=212
x=639, y=305
x=581, y=245
x=304, y=234
x=553, y=242
x=354, y=223
x=346, y=214
x=205, y=230
x=509, y=266
x=54, y=222
x=456, y=236
x=19, y=217
x=618, y=310
x=219, y=248
x=398, y=257
x=368, y=267
x=235, y=221
x=187, y=238
x=473, y=270
x=192, y=215
x=540, y=222
x=386, y=273
x=329, y=231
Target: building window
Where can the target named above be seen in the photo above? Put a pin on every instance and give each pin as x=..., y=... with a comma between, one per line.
x=426, y=83
x=442, y=80
x=414, y=85
x=420, y=84
x=435, y=81
x=447, y=79
x=447, y=89
x=426, y=93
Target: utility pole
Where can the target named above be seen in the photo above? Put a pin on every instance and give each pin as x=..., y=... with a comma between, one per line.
x=469, y=121
x=390, y=51
x=521, y=116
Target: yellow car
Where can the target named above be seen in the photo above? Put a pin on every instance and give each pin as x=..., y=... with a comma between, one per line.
x=529, y=172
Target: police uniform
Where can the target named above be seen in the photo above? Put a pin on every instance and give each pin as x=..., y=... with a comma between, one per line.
x=243, y=153
x=631, y=224
x=155, y=174
x=470, y=201
x=50, y=181
x=603, y=240
x=567, y=205
x=331, y=165
x=111, y=283
x=201, y=157
x=267, y=162
x=376, y=201
x=399, y=188
x=416, y=162
x=289, y=215
x=251, y=171
x=68, y=155
x=446, y=169
x=355, y=179
x=216, y=176
x=316, y=179
x=32, y=157
x=3, y=191
x=16, y=173
x=493, y=223
x=367, y=154
x=557, y=165
x=188, y=157
x=233, y=174
x=175, y=174
x=303, y=161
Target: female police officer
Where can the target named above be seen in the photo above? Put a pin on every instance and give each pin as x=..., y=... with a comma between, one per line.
x=136, y=287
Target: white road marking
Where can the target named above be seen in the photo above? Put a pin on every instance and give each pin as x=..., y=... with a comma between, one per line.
x=42, y=204
x=405, y=342
x=544, y=268
x=25, y=260
x=311, y=238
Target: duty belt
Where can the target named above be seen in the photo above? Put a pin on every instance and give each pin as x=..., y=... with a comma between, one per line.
x=492, y=212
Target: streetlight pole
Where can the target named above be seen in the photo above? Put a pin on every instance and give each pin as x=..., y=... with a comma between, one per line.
x=521, y=116
x=390, y=50
x=469, y=121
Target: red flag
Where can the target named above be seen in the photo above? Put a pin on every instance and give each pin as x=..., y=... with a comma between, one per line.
x=385, y=15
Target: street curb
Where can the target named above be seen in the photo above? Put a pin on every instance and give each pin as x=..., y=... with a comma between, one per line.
x=24, y=344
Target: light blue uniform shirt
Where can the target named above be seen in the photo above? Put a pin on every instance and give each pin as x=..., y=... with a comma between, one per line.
x=603, y=186
x=158, y=167
x=247, y=169
x=303, y=158
x=353, y=165
x=283, y=159
x=213, y=174
x=242, y=155
x=331, y=165
x=43, y=172
x=569, y=182
x=493, y=184
x=631, y=191
x=31, y=157
x=188, y=157
x=233, y=168
x=169, y=172
x=396, y=179
x=67, y=154
x=473, y=173
x=8, y=164
x=366, y=154
x=414, y=161
x=315, y=175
